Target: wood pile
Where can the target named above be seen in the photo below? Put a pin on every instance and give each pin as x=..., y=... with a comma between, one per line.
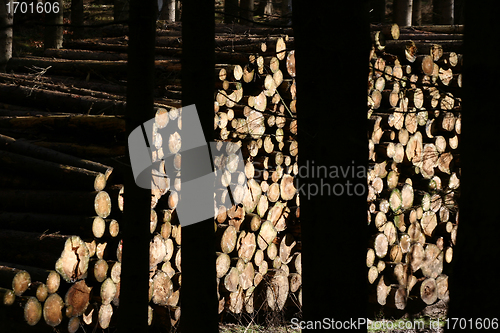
x=259, y=263
x=67, y=210
x=59, y=238
x=414, y=101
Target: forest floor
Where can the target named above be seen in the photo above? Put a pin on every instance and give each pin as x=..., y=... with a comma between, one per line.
x=235, y=328
x=431, y=319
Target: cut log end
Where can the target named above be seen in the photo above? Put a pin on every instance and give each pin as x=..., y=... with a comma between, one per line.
x=74, y=260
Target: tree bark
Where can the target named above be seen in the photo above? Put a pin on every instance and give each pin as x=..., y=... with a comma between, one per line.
x=53, y=173
x=77, y=18
x=417, y=12
x=378, y=11
x=134, y=284
x=53, y=32
x=246, y=12
x=459, y=13
x=6, y=21
x=57, y=101
x=315, y=93
x=286, y=11
x=198, y=251
x=61, y=202
x=84, y=54
x=68, y=254
x=82, y=67
x=231, y=11
x=167, y=13
x=403, y=12
x=26, y=148
x=443, y=11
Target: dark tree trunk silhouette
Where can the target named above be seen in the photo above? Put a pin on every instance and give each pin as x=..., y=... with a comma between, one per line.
x=377, y=14
x=443, y=11
x=77, y=18
x=417, y=12
x=53, y=33
x=133, y=311
x=339, y=140
x=199, y=291
x=6, y=20
x=286, y=8
x=403, y=10
x=231, y=11
x=474, y=287
x=459, y=11
x=246, y=12
x=27, y=19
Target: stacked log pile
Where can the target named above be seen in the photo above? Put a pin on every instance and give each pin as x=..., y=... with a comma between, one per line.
x=54, y=209
x=59, y=236
x=259, y=263
x=414, y=113
x=258, y=260
x=67, y=210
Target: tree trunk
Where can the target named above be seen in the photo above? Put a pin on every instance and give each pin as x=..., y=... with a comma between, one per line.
x=53, y=33
x=246, y=12
x=198, y=250
x=53, y=173
x=6, y=21
x=378, y=11
x=134, y=284
x=84, y=67
x=58, y=101
x=472, y=296
x=459, y=13
x=50, y=278
x=443, y=12
x=286, y=11
x=417, y=12
x=178, y=10
x=35, y=151
x=77, y=18
x=266, y=7
x=231, y=11
x=167, y=13
x=60, y=202
x=314, y=92
x=402, y=12
x=68, y=254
